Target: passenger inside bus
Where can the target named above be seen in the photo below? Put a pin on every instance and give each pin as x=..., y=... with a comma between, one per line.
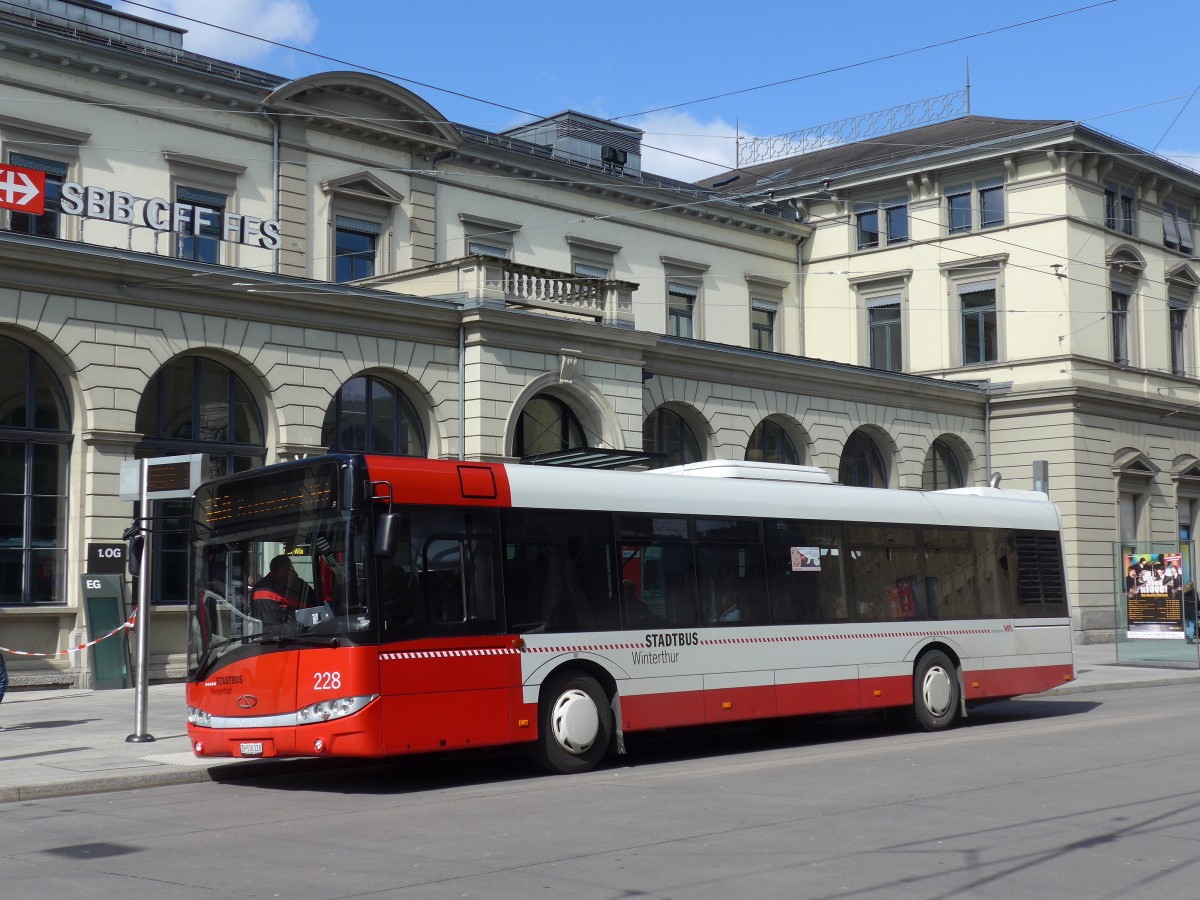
x=636, y=613
x=728, y=610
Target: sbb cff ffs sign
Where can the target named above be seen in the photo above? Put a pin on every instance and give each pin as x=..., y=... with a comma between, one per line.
x=22, y=189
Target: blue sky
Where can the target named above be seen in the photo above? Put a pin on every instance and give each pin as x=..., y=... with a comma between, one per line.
x=1121, y=67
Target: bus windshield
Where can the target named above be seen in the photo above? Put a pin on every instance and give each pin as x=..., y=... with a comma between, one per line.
x=274, y=579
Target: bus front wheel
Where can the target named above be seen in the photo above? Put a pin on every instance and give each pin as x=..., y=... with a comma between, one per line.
x=936, y=694
x=575, y=725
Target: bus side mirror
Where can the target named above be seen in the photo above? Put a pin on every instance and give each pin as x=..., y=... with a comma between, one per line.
x=385, y=533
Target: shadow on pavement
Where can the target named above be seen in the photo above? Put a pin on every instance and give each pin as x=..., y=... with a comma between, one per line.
x=410, y=774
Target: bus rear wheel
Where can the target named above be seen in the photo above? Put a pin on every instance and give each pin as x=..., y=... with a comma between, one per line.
x=575, y=725
x=936, y=693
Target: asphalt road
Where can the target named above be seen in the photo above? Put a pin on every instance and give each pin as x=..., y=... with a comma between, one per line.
x=1082, y=796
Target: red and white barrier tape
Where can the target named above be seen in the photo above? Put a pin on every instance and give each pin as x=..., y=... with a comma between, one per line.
x=124, y=626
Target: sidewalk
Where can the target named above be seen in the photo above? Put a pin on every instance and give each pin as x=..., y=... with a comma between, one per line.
x=63, y=742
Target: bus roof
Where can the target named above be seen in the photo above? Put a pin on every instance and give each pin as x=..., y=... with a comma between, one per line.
x=682, y=493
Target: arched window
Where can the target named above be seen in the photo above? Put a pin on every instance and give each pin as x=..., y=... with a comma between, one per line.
x=862, y=464
x=193, y=405
x=770, y=443
x=370, y=415
x=35, y=445
x=942, y=469
x=547, y=425
x=666, y=432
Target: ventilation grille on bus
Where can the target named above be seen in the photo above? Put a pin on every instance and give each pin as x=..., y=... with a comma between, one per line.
x=1040, y=566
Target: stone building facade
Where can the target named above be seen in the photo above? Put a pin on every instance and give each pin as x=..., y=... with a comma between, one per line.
x=261, y=269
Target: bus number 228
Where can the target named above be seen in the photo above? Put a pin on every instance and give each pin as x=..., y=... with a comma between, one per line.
x=327, y=681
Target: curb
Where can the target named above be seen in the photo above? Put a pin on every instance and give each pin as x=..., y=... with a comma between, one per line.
x=242, y=770
x=1091, y=688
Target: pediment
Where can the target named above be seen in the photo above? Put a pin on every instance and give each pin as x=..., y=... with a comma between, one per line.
x=1183, y=276
x=364, y=186
x=365, y=106
x=1186, y=468
x=1134, y=463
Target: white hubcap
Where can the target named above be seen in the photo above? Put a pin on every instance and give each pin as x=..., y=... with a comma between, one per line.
x=936, y=691
x=575, y=721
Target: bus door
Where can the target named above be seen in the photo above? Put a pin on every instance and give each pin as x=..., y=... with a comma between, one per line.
x=447, y=670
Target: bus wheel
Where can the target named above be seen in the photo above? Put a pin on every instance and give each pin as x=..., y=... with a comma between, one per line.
x=576, y=724
x=935, y=692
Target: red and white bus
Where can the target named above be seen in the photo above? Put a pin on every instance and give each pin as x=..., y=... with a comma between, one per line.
x=369, y=606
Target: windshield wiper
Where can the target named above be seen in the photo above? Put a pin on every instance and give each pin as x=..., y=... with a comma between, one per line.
x=308, y=640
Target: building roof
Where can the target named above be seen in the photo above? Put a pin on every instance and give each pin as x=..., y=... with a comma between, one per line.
x=886, y=150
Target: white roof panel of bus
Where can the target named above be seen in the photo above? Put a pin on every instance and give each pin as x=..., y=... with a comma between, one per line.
x=544, y=487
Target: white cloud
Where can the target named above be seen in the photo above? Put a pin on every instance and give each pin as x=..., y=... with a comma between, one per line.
x=285, y=21
x=681, y=146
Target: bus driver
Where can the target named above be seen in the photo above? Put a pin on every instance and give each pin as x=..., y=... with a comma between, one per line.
x=278, y=594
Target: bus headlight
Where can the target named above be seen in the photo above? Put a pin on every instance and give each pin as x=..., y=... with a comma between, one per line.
x=332, y=709
x=199, y=717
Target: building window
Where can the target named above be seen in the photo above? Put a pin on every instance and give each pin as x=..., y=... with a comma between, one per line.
x=892, y=215
x=47, y=224
x=547, y=425
x=991, y=205
x=35, y=445
x=979, y=324
x=867, y=224
x=355, y=248
x=591, y=259
x=202, y=240
x=963, y=200
x=862, y=464
x=942, y=469
x=193, y=405
x=770, y=443
x=1177, y=228
x=959, y=210
x=583, y=270
x=681, y=308
x=486, y=237
x=896, y=219
x=762, y=326
x=1119, y=314
x=479, y=248
x=369, y=415
x=1119, y=206
x=884, y=334
x=666, y=432
x=1179, y=316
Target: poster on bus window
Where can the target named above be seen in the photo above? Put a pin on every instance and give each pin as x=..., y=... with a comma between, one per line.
x=1154, y=590
x=806, y=559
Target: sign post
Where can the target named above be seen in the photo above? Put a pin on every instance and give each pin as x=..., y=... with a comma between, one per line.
x=146, y=480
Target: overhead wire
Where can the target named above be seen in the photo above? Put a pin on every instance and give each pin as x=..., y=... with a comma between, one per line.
x=656, y=209
x=463, y=95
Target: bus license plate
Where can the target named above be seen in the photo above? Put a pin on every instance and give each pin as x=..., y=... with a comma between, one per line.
x=252, y=748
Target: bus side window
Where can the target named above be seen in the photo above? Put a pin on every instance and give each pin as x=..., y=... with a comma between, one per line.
x=441, y=575
x=951, y=575
x=804, y=572
x=558, y=573
x=996, y=588
x=886, y=567
x=668, y=570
